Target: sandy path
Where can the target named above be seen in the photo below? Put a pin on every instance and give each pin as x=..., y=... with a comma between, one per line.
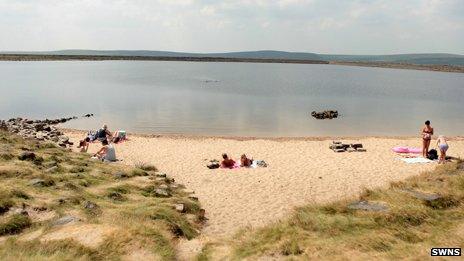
x=299, y=172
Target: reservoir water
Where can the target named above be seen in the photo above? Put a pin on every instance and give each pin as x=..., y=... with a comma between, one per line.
x=233, y=99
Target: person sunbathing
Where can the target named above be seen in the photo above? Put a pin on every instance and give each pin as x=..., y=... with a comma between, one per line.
x=84, y=144
x=107, y=152
x=245, y=162
x=227, y=162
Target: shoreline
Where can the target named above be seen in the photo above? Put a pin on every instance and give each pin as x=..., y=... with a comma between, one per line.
x=388, y=65
x=181, y=136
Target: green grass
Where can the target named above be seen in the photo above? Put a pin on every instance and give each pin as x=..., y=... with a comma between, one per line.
x=408, y=229
x=147, y=222
x=14, y=224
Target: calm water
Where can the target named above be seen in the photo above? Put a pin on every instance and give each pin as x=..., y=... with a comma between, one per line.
x=239, y=99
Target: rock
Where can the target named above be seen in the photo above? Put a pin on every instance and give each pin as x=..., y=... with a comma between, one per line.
x=120, y=175
x=193, y=198
x=180, y=208
x=160, y=179
x=90, y=205
x=329, y=114
x=160, y=175
x=52, y=169
x=162, y=193
x=65, y=220
x=368, y=206
x=27, y=155
x=163, y=186
x=37, y=183
x=173, y=186
x=21, y=211
x=422, y=195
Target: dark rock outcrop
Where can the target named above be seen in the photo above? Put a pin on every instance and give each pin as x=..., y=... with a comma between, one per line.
x=325, y=115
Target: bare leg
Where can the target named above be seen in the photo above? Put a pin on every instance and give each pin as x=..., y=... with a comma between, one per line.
x=424, y=149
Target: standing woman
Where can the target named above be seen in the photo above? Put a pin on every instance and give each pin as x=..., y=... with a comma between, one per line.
x=427, y=133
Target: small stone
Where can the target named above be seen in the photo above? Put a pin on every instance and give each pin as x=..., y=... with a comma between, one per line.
x=37, y=183
x=27, y=155
x=65, y=220
x=367, y=206
x=163, y=186
x=422, y=195
x=90, y=205
x=162, y=193
x=160, y=175
x=180, y=208
x=52, y=169
x=193, y=198
x=120, y=175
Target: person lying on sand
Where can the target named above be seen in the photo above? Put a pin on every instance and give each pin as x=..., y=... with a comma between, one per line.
x=84, y=144
x=443, y=146
x=227, y=163
x=107, y=152
x=245, y=162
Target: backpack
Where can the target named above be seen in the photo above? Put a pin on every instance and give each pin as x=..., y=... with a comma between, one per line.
x=432, y=154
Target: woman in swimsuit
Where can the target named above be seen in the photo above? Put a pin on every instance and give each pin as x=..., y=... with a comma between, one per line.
x=427, y=133
x=443, y=146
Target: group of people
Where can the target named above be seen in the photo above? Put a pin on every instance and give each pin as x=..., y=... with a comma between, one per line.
x=230, y=163
x=107, y=151
x=442, y=144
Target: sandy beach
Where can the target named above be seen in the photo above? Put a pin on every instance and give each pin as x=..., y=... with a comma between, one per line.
x=300, y=171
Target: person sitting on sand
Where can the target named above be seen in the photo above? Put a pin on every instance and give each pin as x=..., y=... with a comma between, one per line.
x=427, y=132
x=443, y=146
x=227, y=163
x=107, y=152
x=84, y=144
x=245, y=162
x=103, y=133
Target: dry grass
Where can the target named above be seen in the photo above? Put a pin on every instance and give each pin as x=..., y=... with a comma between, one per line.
x=71, y=180
x=407, y=230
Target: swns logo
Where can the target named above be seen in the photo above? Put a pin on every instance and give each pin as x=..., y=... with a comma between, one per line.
x=445, y=251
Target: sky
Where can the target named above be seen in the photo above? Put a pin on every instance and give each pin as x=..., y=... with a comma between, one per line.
x=321, y=26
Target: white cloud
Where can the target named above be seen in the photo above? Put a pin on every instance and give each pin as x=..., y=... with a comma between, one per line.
x=356, y=26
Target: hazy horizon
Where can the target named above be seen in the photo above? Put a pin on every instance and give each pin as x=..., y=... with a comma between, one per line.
x=356, y=27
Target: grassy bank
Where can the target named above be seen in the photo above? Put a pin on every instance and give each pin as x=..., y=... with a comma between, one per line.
x=56, y=204
x=408, y=228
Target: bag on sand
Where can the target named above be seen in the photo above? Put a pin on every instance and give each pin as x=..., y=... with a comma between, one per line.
x=432, y=154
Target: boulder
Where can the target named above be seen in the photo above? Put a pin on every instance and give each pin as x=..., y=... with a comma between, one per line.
x=37, y=183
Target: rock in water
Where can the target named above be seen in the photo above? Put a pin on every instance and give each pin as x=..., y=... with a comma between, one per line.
x=329, y=114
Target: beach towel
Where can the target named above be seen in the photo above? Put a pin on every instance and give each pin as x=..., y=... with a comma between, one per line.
x=416, y=160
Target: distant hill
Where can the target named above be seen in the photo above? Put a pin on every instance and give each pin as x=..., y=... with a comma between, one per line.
x=421, y=59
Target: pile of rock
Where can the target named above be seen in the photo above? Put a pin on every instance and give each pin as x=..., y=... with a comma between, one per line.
x=325, y=115
x=38, y=129
x=338, y=146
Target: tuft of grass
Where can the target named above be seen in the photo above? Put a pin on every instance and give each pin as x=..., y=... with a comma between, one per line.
x=145, y=166
x=178, y=225
x=5, y=204
x=15, y=224
x=19, y=194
